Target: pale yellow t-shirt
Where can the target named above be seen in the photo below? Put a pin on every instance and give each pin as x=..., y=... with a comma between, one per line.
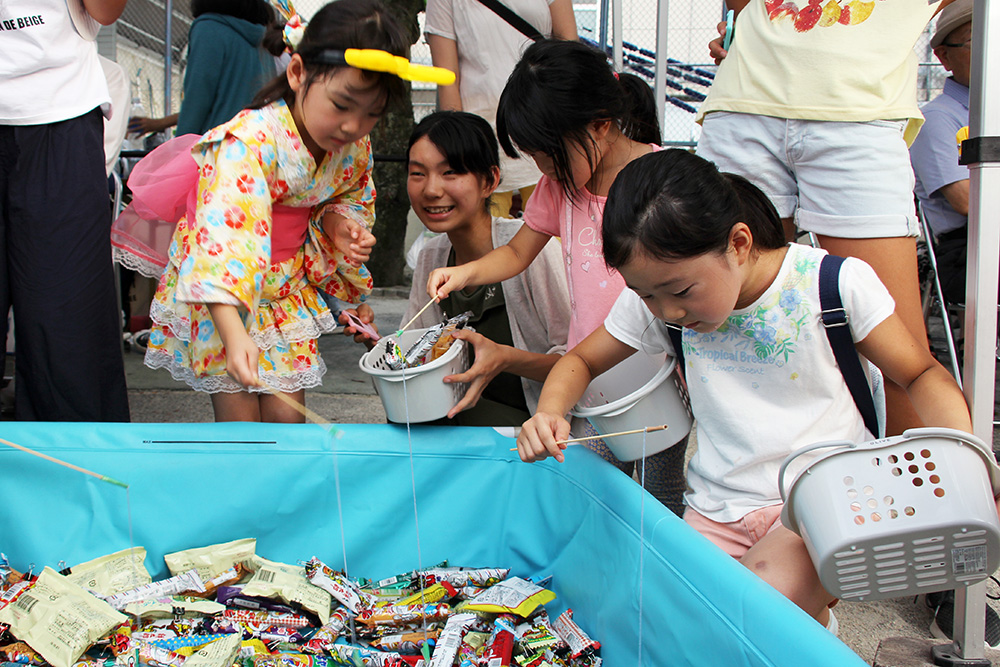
x=834, y=60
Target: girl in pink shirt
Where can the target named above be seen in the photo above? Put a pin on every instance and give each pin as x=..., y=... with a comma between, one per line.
x=581, y=122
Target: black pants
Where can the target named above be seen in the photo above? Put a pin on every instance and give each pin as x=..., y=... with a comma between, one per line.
x=56, y=272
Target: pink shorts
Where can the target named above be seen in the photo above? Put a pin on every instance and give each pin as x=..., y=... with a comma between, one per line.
x=737, y=537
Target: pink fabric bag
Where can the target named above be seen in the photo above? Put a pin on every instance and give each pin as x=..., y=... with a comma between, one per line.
x=164, y=189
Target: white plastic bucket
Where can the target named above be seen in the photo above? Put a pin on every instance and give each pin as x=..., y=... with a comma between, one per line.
x=423, y=396
x=641, y=391
x=896, y=517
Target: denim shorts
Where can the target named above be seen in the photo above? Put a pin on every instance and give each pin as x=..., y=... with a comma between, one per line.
x=846, y=180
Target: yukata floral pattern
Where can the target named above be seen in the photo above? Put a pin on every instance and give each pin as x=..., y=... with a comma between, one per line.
x=224, y=254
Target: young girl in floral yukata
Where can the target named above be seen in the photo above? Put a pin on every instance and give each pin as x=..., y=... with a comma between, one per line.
x=284, y=203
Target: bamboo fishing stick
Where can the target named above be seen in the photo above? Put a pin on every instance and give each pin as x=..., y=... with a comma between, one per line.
x=648, y=429
x=103, y=478
x=311, y=415
x=419, y=313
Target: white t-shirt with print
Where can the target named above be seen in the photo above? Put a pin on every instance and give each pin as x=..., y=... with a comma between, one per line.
x=48, y=71
x=766, y=382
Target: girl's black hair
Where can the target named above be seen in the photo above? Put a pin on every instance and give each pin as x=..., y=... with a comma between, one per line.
x=255, y=11
x=673, y=204
x=556, y=90
x=466, y=141
x=341, y=25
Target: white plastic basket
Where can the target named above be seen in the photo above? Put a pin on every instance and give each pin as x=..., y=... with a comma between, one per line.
x=910, y=514
x=416, y=394
x=641, y=391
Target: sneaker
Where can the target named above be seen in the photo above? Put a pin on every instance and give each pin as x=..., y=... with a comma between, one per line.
x=943, y=624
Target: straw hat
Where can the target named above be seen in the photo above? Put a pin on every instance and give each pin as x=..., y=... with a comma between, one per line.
x=951, y=17
x=85, y=24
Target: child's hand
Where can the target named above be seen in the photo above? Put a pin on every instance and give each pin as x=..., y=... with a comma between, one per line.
x=349, y=237
x=365, y=315
x=490, y=362
x=442, y=282
x=715, y=50
x=539, y=435
x=242, y=358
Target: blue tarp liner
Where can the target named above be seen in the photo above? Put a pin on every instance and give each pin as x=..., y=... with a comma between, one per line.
x=477, y=504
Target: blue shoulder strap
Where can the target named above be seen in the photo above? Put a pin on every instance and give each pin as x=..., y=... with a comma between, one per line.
x=675, y=340
x=835, y=320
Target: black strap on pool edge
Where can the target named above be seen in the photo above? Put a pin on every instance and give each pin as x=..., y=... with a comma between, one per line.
x=835, y=322
x=514, y=19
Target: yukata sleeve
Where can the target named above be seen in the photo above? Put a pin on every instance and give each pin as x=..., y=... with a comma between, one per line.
x=326, y=267
x=229, y=242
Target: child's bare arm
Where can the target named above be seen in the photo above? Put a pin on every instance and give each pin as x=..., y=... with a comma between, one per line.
x=499, y=264
x=565, y=384
x=241, y=352
x=105, y=12
x=932, y=390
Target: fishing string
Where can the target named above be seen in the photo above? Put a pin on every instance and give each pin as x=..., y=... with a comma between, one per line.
x=642, y=529
x=416, y=517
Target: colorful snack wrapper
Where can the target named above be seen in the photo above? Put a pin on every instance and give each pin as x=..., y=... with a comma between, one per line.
x=112, y=574
x=149, y=655
x=403, y=614
x=345, y=591
x=514, y=595
x=220, y=653
x=173, y=607
x=450, y=639
x=345, y=654
x=232, y=596
x=574, y=635
x=185, y=641
x=230, y=576
x=289, y=584
x=326, y=636
x=211, y=561
x=21, y=653
x=405, y=577
x=13, y=591
x=465, y=576
x=500, y=646
x=58, y=619
x=406, y=643
x=438, y=591
x=472, y=648
x=415, y=355
x=265, y=619
x=189, y=581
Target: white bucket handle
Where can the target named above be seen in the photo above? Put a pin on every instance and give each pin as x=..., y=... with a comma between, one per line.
x=909, y=434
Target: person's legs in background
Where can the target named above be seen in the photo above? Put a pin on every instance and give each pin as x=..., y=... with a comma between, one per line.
x=69, y=361
x=856, y=194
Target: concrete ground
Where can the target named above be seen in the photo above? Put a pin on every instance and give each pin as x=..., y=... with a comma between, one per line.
x=347, y=396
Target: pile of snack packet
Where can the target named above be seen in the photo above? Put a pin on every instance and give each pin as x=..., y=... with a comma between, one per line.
x=226, y=606
x=432, y=344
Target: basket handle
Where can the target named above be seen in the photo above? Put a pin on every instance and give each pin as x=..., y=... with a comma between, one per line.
x=804, y=450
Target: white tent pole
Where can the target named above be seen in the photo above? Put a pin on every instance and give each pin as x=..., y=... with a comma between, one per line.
x=660, y=77
x=616, y=35
x=982, y=153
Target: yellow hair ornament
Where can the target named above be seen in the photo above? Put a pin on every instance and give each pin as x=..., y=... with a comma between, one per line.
x=382, y=61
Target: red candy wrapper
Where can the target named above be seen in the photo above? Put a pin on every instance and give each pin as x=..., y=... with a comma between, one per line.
x=574, y=635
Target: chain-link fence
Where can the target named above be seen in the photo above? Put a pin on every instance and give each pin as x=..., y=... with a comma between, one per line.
x=138, y=42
